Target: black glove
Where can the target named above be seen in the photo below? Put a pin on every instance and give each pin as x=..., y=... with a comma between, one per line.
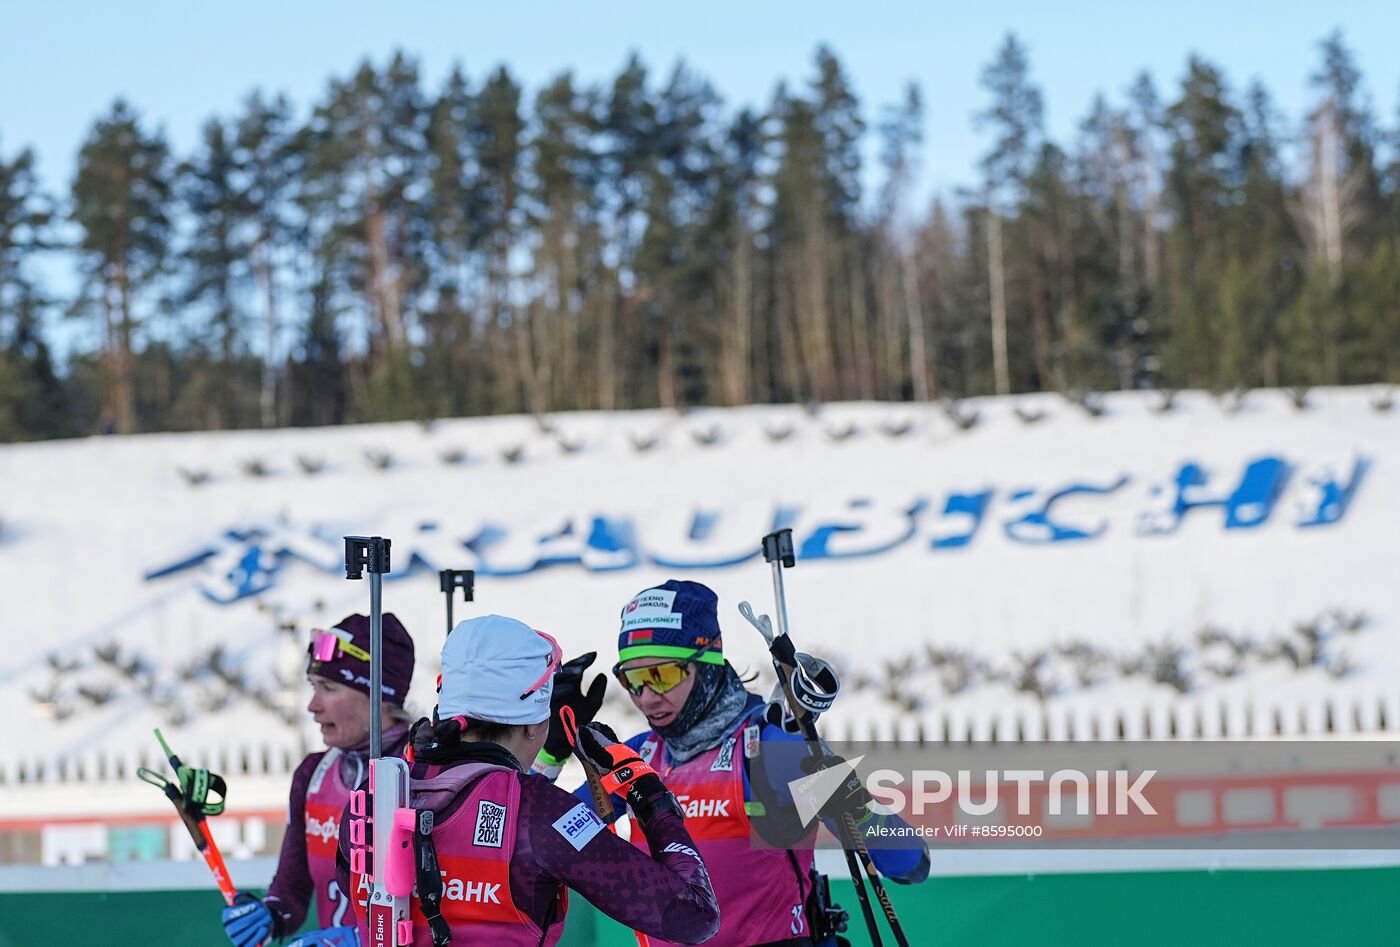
x=850, y=798
x=569, y=692
x=623, y=772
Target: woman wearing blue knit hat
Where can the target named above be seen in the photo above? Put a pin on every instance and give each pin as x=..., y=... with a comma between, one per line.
x=705, y=727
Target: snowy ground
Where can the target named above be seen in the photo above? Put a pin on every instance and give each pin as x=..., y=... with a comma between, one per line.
x=932, y=623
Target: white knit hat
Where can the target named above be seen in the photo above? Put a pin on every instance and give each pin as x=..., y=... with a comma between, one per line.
x=497, y=669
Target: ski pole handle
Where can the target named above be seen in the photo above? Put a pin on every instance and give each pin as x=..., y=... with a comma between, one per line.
x=175, y=763
x=777, y=547
x=449, y=580
x=779, y=553
x=366, y=554
x=602, y=801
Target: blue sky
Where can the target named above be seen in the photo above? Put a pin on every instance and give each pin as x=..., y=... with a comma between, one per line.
x=62, y=62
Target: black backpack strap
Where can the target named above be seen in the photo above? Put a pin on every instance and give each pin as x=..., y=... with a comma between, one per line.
x=549, y=919
x=428, y=880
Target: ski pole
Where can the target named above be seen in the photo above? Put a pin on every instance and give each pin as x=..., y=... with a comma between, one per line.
x=602, y=802
x=371, y=554
x=382, y=825
x=192, y=816
x=779, y=553
x=452, y=579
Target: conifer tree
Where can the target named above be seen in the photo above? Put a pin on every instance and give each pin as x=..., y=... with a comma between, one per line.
x=1015, y=118
x=215, y=263
x=31, y=394
x=121, y=200
x=270, y=167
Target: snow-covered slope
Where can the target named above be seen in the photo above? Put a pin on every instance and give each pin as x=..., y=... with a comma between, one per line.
x=937, y=562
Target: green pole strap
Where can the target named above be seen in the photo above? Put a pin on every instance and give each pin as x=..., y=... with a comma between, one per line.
x=196, y=785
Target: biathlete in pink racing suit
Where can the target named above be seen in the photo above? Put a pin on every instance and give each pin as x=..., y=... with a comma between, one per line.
x=338, y=668
x=509, y=844
x=706, y=729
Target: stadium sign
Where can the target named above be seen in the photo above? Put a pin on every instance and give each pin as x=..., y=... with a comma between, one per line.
x=248, y=559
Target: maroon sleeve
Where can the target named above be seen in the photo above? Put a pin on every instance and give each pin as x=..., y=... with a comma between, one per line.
x=289, y=895
x=666, y=894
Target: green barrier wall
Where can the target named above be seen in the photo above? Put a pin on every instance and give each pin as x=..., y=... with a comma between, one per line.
x=1342, y=906
x=1335, y=906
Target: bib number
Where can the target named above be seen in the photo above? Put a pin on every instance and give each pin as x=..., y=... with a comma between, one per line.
x=337, y=897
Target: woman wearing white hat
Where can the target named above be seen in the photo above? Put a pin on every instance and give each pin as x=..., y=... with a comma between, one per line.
x=509, y=844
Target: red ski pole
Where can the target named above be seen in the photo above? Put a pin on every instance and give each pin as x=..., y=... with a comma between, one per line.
x=192, y=812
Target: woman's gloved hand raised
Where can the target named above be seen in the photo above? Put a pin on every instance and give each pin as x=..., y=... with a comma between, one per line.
x=569, y=692
x=622, y=772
